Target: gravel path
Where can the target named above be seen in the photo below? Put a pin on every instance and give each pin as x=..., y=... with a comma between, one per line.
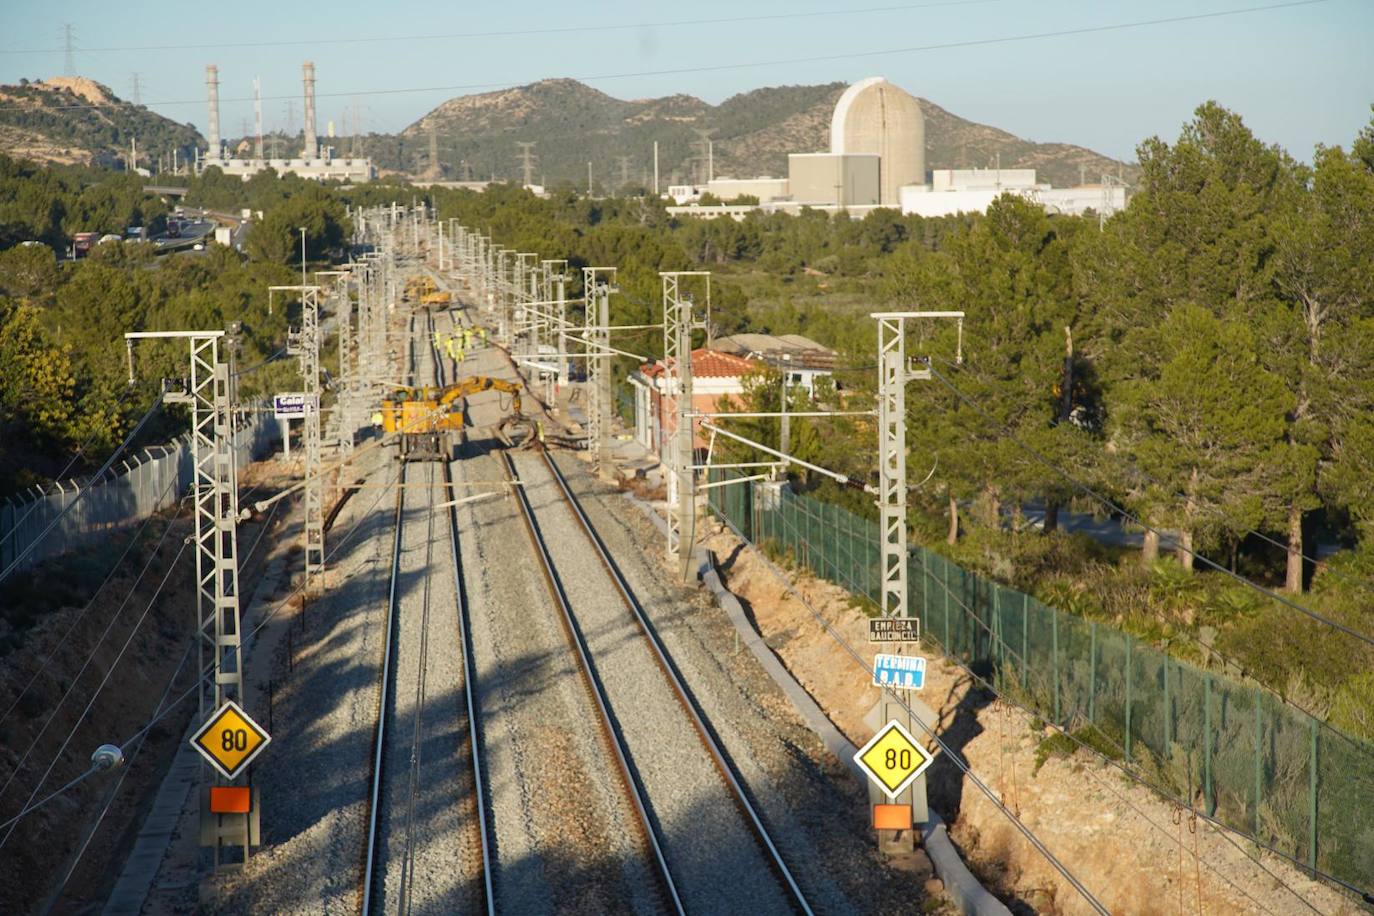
x=816, y=811
x=711, y=850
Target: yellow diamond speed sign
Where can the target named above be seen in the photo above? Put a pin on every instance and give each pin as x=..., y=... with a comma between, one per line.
x=893, y=759
x=230, y=740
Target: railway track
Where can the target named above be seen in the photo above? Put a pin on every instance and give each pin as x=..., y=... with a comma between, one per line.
x=610, y=733
x=418, y=795
x=784, y=892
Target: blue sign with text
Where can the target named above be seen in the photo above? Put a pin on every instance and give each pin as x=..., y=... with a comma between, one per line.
x=907, y=672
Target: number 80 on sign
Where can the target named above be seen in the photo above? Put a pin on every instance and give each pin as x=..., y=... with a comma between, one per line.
x=893, y=759
x=230, y=740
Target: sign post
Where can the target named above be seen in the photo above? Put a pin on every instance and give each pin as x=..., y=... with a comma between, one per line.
x=229, y=741
x=895, y=764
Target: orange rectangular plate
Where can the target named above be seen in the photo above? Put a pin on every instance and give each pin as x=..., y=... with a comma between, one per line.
x=891, y=817
x=237, y=800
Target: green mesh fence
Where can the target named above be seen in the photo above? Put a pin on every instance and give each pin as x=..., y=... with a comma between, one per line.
x=1261, y=767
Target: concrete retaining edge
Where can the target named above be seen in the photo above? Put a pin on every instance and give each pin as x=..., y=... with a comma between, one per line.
x=960, y=884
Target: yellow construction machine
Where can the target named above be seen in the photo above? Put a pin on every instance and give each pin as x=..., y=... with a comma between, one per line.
x=436, y=298
x=417, y=287
x=426, y=418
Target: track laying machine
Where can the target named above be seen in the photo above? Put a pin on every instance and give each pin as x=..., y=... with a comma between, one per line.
x=428, y=418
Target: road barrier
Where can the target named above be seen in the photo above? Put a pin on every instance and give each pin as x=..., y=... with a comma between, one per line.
x=1232, y=750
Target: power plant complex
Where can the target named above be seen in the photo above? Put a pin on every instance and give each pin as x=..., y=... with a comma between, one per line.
x=314, y=161
x=877, y=158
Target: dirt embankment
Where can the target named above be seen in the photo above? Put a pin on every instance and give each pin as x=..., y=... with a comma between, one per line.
x=1133, y=850
x=129, y=637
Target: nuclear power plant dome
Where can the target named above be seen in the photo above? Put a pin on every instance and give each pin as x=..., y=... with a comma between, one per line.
x=876, y=117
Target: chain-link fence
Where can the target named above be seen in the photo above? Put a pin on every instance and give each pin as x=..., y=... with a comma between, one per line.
x=131, y=490
x=1233, y=750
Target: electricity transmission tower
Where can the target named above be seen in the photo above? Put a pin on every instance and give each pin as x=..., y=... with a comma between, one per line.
x=69, y=48
x=624, y=169
x=435, y=170
x=136, y=87
x=701, y=162
x=527, y=159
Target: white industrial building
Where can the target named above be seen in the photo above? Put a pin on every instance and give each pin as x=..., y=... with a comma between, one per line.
x=316, y=162
x=953, y=191
x=877, y=159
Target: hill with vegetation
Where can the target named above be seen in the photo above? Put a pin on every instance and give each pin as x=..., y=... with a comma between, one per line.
x=71, y=120
x=572, y=124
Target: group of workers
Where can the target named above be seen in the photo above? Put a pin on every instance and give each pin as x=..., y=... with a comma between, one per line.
x=459, y=344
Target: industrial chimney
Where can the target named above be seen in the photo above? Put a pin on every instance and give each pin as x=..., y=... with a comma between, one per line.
x=311, y=145
x=212, y=85
x=257, y=117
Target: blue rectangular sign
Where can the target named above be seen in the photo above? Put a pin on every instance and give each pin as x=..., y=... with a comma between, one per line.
x=906, y=672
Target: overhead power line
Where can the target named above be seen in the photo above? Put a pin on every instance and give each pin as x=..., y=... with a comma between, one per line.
x=81, y=494
x=712, y=68
x=1109, y=503
x=205, y=674
x=517, y=33
x=950, y=754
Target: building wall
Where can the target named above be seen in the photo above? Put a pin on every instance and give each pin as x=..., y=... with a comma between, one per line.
x=876, y=117
x=922, y=201
x=1103, y=200
x=762, y=188
x=981, y=179
x=356, y=170
x=826, y=179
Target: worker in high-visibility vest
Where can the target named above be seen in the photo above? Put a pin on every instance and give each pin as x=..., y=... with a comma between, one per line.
x=448, y=347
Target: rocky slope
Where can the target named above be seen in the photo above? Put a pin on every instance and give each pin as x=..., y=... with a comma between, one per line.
x=752, y=133
x=73, y=120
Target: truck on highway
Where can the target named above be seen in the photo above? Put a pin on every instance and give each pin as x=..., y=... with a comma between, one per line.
x=82, y=242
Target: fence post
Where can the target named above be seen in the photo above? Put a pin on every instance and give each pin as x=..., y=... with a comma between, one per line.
x=925, y=587
x=1312, y=798
x=1054, y=650
x=1168, y=712
x=997, y=654
x=1092, y=672
x=949, y=638
x=1207, y=744
x=1129, y=645
x=1025, y=638
x=1259, y=760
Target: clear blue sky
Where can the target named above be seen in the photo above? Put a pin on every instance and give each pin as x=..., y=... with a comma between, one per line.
x=1299, y=76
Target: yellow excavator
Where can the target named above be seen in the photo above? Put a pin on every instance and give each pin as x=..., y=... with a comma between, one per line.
x=418, y=287
x=427, y=417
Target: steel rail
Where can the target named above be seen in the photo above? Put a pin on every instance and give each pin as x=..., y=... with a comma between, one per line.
x=684, y=697
x=634, y=793
x=379, y=739
x=466, y=654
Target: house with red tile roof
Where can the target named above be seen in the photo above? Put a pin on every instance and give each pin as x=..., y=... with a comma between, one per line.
x=715, y=375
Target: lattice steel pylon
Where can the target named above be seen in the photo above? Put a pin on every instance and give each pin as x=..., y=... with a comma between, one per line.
x=215, y=495
x=893, y=374
x=597, y=285
x=307, y=348
x=678, y=325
